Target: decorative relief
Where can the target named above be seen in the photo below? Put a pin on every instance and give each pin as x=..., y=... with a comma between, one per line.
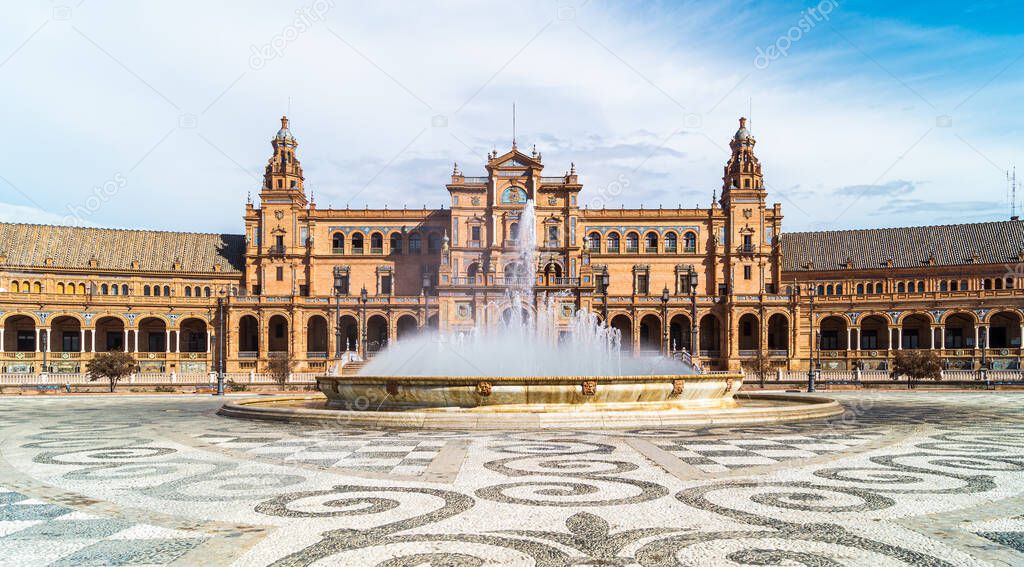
x=589, y=387
x=391, y=388
x=677, y=387
x=937, y=314
x=483, y=388
x=42, y=316
x=981, y=313
x=853, y=315
x=894, y=315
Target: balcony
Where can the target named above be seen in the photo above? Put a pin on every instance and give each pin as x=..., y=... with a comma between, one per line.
x=473, y=244
x=276, y=250
x=650, y=249
x=337, y=250
x=310, y=354
x=613, y=249
x=357, y=249
x=632, y=249
x=670, y=249
x=689, y=249
x=463, y=280
x=248, y=354
x=376, y=250
x=511, y=243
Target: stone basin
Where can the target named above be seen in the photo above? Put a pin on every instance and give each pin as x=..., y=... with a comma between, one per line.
x=530, y=393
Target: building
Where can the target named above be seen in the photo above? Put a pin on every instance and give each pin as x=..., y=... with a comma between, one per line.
x=321, y=284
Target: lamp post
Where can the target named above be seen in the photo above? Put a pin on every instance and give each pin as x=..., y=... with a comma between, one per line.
x=362, y=323
x=604, y=293
x=337, y=313
x=814, y=339
x=664, y=322
x=221, y=293
x=694, y=347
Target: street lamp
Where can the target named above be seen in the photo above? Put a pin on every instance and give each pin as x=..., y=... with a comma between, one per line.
x=604, y=293
x=221, y=293
x=362, y=324
x=694, y=350
x=664, y=321
x=337, y=312
x=815, y=338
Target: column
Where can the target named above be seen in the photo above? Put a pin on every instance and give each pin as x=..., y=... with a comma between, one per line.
x=81, y=340
x=167, y=340
x=977, y=344
x=125, y=343
x=2, y=338
x=931, y=344
x=207, y=340
x=858, y=337
x=177, y=340
x=49, y=340
x=849, y=338
x=136, y=340
x=942, y=337
x=93, y=339
x=39, y=344
x=985, y=345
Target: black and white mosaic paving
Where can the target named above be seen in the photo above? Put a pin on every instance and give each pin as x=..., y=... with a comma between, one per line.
x=903, y=478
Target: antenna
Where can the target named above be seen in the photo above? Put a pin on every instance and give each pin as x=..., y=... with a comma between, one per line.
x=289, y=105
x=513, y=124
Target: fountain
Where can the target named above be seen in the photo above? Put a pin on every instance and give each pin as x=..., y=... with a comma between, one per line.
x=519, y=368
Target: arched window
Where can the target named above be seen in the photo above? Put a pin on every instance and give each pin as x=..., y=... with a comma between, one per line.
x=613, y=243
x=901, y=287
x=396, y=243
x=188, y=291
x=15, y=287
x=943, y=285
x=986, y=284
x=821, y=289
x=376, y=243
x=60, y=288
x=632, y=242
x=860, y=288
x=552, y=236
x=1009, y=283
x=829, y=290
x=433, y=243
x=81, y=288
x=206, y=291
x=357, y=243
x=594, y=242
x=114, y=290
x=690, y=242
x=414, y=243
x=104, y=290
x=145, y=290
x=513, y=231
x=36, y=287
x=839, y=289
x=651, y=242
x=167, y=290
x=920, y=287
x=999, y=283
x=338, y=243
x=156, y=290
x=670, y=242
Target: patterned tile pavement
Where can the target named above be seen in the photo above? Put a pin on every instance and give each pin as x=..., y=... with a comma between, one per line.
x=902, y=478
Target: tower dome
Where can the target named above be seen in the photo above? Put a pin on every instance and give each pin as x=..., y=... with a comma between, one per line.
x=284, y=134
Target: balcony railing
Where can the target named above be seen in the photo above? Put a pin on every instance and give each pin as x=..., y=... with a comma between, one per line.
x=463, y=280
x=376, y=250
x=670, y=249
x=276, y=250
x=337, y=250
x=511, y=243
x=357, y=249
x=473, y=244
x=566, y=281
x=689, y=249
x=316, y=354
x=248, y=354
x=710, y=354
x=651, y=249
x=517, y=281
x=632, y=248
x=613, y=249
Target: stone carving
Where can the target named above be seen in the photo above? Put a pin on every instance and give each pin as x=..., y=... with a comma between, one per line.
x=677, y=387
x=589, y=387
x=391, y=388
x=483, y=388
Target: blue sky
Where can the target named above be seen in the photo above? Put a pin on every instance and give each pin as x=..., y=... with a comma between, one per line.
x=159, y=115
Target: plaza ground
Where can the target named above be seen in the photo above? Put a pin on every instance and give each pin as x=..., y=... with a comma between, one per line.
x=914, y=478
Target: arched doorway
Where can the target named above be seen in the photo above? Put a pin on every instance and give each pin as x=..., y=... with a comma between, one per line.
x=376, y=333
x=277, y=334
x=625, y=327
x=959, y=330
x=710, y=336
x=152, y=335
x=406, y=327
x=552, y=273
x=19, y=334
x=67, y=335
x=432, y=322
x=511, y=318
x=749, y=334
x=1004, y=330
x=193, y=335
x=874, y=333
x=915, y=331
x=680, y=333
x=110, y=335
x=349, y=333
x=832, y=334
x=778, y=335
x=248, y=337
x=650, y=333
x=316, y=337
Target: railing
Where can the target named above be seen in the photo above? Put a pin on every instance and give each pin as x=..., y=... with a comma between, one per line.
x=357, y=249
x=517, y=280
x=376, y=250
x=778, y=352
x=248, y=354
x=746, y=353
x=511, y=243
x=337, y=250
x=316, y=354
x=632, y=248
x=613, y=249
x=592, y=248
x=710, y=354
x=651, y=249
x=473, y=244
x=670, y=249
x=689, y=249
x=276, y=250
x=566, y=281
x=549, y=179
x=475, y=179
x=462, y=280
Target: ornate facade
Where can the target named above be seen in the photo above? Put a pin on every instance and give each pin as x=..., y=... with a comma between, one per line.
x=321, y=284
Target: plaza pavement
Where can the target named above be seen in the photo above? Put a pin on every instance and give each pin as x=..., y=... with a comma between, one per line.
x=903, y=478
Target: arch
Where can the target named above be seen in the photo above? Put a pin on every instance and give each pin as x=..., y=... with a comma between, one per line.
x=19, y=333
x=915, y=331
x=407, y=326
x=316, y=337
x=109, y=331
x=376, y=243
x=832, y=333
x=349, y=333
x=690, y=241
x=152, y=332
x=874, y=332
x=277, y=334
x=778, y=333
x=433, y=323
x=650, y=333
x=710, y=336
x=510, y=317
x=473, y=270
x=248, y=335
x=632, y=241
x=552, y=272
x=959, y=329
x=513, y=196
x=594, y=241
x=395, y=243
x=192, y=335
x=67, y=334
x=376, y=333
x=1004, y=329
x=651, y=242
x=749, y=333
x=357, y=243
x=338, y=243
x=670, y=241
x=625, y=327
x=680, y=333
x=104, y=290
x=613, y=243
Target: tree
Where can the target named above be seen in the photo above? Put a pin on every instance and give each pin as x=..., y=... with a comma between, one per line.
x=917, y=365
x=280, y=367
x=761, y=367
x=112, y=366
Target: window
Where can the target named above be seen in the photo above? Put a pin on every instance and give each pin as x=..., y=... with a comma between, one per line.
x=385, y=285
x=513, y=231
x=746, y=272
x=594, y=242
x=910, y=339
x=357, y=243
x=632, y=242
x=104, y=290
x=343, y=285
x=396, y=243
x=723, y=289
x=156, y=290
x=670, y=242
x=828, y=340
x=474, y=234
x=641, y=284
x=869, y=340
x=944, y=285
x=552, y=236
x=145, y=290
x=651, y=242
x=414, y=243
x=26, y=341
x=279, y=242
x=689, y=242
x=748, y=243
x=206, y=291
x=839, y=289
x=613, y=243
x=338, y=243
x=901, y=287
x=376, y=243
x=433, y=243
x=280, y=274
x=167, y=290
x=860, y=288
x=188, y=291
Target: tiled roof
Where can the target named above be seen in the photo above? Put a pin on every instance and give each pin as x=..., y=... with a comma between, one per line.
x=30, y=245
x=907, y=247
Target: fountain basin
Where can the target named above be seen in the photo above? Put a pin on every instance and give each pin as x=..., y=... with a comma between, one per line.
x=530, y=393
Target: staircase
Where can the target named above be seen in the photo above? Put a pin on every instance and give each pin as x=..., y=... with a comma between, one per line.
x=352, y=368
